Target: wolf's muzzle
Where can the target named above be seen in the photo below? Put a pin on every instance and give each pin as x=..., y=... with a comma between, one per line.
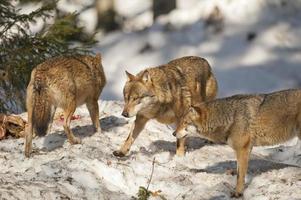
x=125, y=114
x=174, y=134
x=179, y=134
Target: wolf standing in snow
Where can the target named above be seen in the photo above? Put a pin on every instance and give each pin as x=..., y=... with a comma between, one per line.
x=164, y=92
x=65, y=82
x=244, y=121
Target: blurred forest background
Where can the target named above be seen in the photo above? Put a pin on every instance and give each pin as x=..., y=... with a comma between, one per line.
x=59, y=32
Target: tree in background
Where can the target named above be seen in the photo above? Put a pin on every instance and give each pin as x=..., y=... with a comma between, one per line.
x=21, y=50
x=106, y=15
x=161, y=7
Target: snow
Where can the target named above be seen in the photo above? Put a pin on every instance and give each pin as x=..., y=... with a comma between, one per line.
x=90, y=171
x=269, y=62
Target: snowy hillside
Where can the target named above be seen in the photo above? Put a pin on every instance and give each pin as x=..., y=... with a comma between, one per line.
x=90, y=171
x=257, y=50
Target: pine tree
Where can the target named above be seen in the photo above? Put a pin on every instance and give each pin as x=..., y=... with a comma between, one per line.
x=21, y=50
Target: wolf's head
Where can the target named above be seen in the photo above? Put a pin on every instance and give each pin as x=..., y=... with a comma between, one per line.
x=190, y=121
x=138, y=94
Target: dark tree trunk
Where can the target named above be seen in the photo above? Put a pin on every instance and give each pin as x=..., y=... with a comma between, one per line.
x=161, y=7
x=106, y=15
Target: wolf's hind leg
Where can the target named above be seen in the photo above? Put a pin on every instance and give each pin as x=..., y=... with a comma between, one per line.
x=136, y=129
x=94, y=114
x=29, y=133
x=28, y=140
x=53, y=109
x=29, y=128
x=68, y=112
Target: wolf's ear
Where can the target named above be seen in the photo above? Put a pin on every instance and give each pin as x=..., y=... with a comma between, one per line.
x=98, y=56
x=200, y=109
x=130, y=76
x=196, y=109
x=146, y=76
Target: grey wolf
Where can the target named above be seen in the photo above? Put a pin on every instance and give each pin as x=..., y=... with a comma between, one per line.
x=63, y=82
x=164, y=92
x=244, y=121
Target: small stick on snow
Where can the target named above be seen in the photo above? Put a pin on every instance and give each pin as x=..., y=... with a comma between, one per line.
x=151, y=176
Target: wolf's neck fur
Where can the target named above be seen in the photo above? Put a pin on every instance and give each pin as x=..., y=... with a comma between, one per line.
x=216, y=121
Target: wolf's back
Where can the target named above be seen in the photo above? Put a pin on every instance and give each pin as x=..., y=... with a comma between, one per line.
x=41, y=105
x=192, y=66
x=197, y=69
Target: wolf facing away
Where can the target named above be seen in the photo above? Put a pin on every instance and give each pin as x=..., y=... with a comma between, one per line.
x=244, y=121
x=164, y=92
x=64, y=82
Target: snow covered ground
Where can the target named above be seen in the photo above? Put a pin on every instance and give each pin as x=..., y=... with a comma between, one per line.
x=58, y=170
x=270, y=60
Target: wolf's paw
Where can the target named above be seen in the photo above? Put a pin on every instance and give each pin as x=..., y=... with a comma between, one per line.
x=118, y=153
x=27, y=154
x=97, y=130
x=75, y=140
x=231, y=172
x=236, y=194
x=180, y=153
x=32, y=152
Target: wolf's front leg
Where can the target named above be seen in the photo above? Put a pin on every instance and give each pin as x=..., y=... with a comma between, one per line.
x=242, y=155
x=180, y=147
x=136, y=129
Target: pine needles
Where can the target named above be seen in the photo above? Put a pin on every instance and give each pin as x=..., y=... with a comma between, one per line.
x=21, y=50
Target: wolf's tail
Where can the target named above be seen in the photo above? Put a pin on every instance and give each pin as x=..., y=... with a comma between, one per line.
x=41, y=105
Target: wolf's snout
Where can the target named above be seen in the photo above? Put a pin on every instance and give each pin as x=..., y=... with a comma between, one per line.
x=125, y=114
x=174, y=134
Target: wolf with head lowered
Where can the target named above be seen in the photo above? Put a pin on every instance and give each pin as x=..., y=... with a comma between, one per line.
x=244, y=121
x=164, y=93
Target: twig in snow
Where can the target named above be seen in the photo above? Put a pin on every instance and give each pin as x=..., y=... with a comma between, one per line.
x=144, y=193
x=151, y=176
